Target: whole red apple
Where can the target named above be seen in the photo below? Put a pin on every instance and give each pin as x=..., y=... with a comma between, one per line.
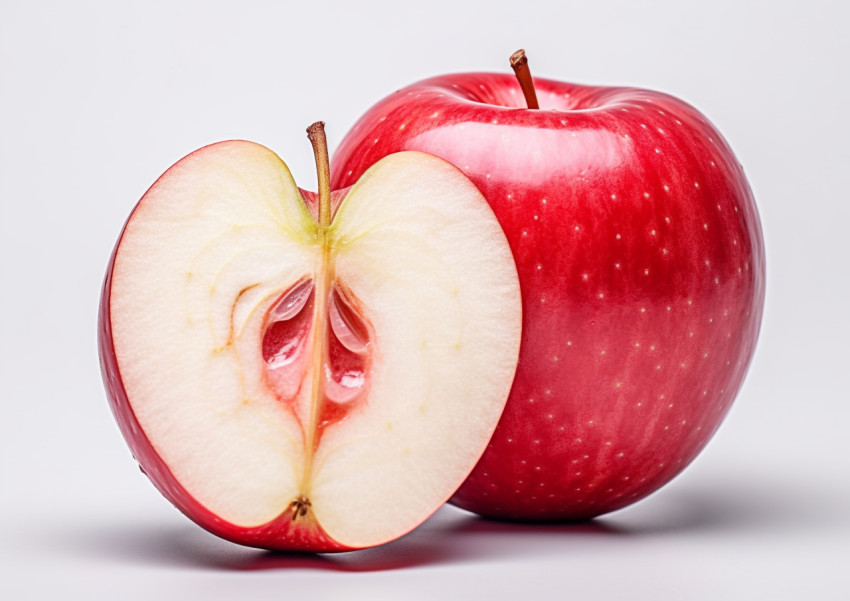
x=641, y=266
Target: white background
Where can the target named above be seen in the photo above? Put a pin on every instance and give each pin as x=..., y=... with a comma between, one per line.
x=98, y=98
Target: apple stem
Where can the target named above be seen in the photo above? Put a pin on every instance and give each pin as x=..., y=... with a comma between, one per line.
x=519, y=63
x=316, y=133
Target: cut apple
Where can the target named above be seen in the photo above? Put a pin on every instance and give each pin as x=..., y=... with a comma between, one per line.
x=292, y=381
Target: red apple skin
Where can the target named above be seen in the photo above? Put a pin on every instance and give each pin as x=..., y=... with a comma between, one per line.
x=281, y=534
x=641, y=264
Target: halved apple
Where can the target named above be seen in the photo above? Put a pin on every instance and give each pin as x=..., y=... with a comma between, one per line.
x=301, y=371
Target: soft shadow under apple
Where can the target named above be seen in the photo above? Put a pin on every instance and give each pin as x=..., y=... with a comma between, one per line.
x=452, y=536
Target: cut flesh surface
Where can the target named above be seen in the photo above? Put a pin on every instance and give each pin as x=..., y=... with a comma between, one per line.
x=349, y=376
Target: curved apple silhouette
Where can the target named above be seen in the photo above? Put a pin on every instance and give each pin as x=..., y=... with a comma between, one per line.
x=308, y=372
x=641, y=265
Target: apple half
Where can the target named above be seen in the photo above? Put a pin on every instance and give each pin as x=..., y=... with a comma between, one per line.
x=309, y=372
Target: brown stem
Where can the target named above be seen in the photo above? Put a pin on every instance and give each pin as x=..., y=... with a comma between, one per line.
x=519, y=63
x=316, y=133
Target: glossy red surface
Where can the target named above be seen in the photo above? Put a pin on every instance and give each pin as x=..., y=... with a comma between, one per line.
x=641, y=264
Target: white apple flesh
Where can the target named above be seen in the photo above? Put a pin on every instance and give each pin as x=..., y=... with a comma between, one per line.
x=294, y=384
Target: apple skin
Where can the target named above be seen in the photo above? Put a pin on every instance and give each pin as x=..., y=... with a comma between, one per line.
x=280, y=534
x=642, y=270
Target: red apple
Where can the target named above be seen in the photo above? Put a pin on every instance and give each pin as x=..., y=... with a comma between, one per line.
x=641, y=265
x=296, y=375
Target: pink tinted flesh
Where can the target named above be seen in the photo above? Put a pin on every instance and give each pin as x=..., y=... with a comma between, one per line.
x=287, y=352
